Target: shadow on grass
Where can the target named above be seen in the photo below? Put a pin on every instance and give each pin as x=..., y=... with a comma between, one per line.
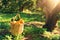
x=32, y=17
x=4, y=30
x=4, y=25
x=33, y=33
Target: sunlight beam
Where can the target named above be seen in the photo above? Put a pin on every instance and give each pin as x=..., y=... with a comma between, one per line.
x=54, y=3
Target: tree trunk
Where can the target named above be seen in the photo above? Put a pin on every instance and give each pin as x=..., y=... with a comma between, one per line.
x=51, y=22
x=51, y=8
x=51, y=19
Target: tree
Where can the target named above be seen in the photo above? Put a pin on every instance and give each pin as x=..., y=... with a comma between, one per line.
x=9, y=6
x=15, y=5
x=51, y=8
x=25, y=4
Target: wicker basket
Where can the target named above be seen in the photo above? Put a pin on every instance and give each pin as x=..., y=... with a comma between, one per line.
x=17, y=27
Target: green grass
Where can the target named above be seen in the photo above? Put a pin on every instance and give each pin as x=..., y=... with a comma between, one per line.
x=26, y=16
x=33, y=30
x=28, y=30
x=5, y=24
x=6, y=17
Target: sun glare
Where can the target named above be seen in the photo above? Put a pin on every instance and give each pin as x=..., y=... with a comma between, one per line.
x=54, y=3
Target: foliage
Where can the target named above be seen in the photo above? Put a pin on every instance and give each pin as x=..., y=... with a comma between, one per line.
x=10, y=6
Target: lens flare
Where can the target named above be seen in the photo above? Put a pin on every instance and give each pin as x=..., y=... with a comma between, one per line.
x=52, y=4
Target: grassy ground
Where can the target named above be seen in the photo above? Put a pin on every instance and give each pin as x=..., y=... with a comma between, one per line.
x=26, y=16
x=31, y=32
x=6, y=18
